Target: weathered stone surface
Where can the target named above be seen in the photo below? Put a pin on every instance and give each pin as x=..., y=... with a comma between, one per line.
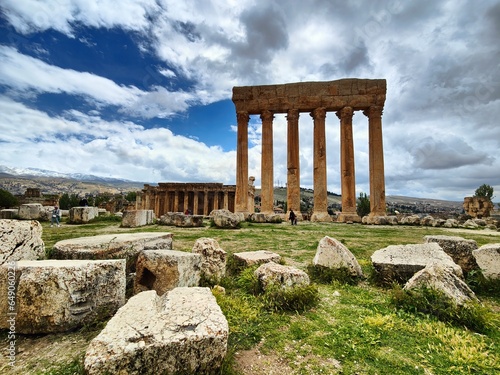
x=458, y=248
x=182, y=332
x=333, y=254
x=137, y=218
x=179, y=219
x=410, y=220
x=470, y=224
x=225, y=219
x=270, y=274
x=9, y=213
x=112, y=246
x=259, y=217
x=379, y=220
x=30, y=211
x=162, y=270
x=61, y=295
x=401, y=262
x=478, y=206
x=82, y=215
x=488, y=259
x=450, y=223
x=427, y=221
x=249, y=258
x=213, y=264
x=442, y=279
x=20, y=240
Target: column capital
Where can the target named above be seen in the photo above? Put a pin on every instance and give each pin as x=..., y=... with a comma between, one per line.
x=292, y=114
x=345, y=111
x=242, y=116
x=266, y=115
x=373, y=111
x=319, y=113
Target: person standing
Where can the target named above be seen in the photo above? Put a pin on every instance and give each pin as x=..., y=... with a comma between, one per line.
x=56, y=216
x=292, y=217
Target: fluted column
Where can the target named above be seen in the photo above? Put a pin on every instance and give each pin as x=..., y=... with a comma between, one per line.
x=195, y=202
x=216, y=200
x=320, y=211
x=376, y=155
x=226, y=200
x=267, y=173
x=186, y=201
x=242, y=163
x=176, y=201
x=293, y=164
x=347, y=169
x=205, y=202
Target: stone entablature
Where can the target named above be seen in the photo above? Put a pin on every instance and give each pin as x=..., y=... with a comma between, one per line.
x=195, y=198
x=342, y=97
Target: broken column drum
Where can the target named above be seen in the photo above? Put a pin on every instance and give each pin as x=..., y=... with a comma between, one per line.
x=343, y=97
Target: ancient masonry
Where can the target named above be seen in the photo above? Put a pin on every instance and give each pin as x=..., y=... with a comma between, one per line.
x=317, y=98
x=197, y=198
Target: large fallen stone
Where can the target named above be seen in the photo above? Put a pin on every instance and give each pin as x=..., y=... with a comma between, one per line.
x=179, y=219
x=272, y=274
x=333, y=254
x=182, y=332
x=82, y=215
x=9, y=213
x=458, y=248
x=440, y=278
x=30, y=211
x=61, y=295
x=410, y=220
x=401, y=262
x=213, y=264
x=20, y=240
x=250, y=258
x=162, y=271
x=112, y=246
x=488, y=259
x=137, y=218
x=225, y=219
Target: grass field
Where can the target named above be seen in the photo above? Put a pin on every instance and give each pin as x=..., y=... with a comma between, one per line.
x=355, y=329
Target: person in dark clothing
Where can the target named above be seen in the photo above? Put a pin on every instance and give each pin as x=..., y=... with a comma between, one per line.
x=292, y=218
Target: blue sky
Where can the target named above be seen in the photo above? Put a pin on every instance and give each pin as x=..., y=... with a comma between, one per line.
x=141, y=89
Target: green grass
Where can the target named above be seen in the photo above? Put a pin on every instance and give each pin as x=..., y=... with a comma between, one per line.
x=354, y=327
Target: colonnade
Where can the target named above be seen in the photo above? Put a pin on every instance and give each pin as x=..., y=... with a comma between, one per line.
x=342, y=97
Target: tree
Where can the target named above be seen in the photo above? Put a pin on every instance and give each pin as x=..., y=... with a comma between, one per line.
x=131, y=196
x=485, y=191
x=67, y=201
x=363, y=205
x=7, y=200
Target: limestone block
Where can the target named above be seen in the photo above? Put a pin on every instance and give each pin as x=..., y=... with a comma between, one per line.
x=377, y=220
x=225, y=219
x=249, y=258
x=179, y=219
x=162, y=270
x=410, y=220
x=257, y=217
x=488, y=259
x=61, y=295
x=30, y=211
x=137, y=218
x=112, y=246
x=427, y=221
x=331, y=253
x=9, y=213
x=20, y=240
x=458, y=248
x=442, y=279
x=182, y=332
x=401, y=262
x=450, y=223
x=213, y=264
x=82, y=215
x=271, y=273
x=470, y=224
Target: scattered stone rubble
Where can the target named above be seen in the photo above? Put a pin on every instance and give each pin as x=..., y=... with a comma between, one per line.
x=214, y=259
x=180, y=219
x=458, y=248
x=272, y=274
x=137, y=218
x=226, y=219
x=488, y=259
x=249, y=258
x=183, y=331
x=82, y=215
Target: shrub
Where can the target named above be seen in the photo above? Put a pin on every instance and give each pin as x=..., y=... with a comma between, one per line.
x=326, y=275
x=429, y=301
x=297, y=298
x=7, y=200
x=483, y=285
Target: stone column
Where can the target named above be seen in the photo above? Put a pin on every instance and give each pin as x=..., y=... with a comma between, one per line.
x=320, y=211
x=186, y=201
x=195, y=202
x=205, y=202
x=293, y=164
x=267, y=173
x=176, y=201
x=241, y=199
x=347, y=173
x=216, y=200
x=376, y=155
x=226, y=200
